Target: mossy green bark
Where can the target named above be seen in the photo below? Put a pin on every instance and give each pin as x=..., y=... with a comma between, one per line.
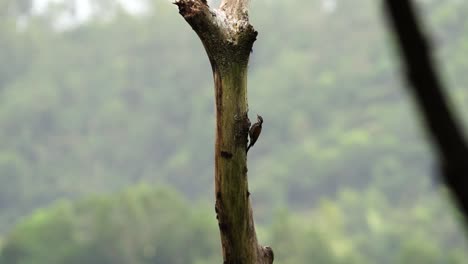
x=231, y=186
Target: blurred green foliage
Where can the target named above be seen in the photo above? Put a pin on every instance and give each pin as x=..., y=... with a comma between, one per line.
x=141, y=225
x=122, y=100
x=147, y=225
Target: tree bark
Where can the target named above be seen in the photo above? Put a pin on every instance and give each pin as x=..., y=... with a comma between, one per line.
x=228, y=38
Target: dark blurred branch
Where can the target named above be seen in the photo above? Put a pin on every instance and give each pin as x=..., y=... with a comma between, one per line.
x=429, y=94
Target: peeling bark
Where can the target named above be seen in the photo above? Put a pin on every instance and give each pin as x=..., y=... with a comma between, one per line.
x=228, y=38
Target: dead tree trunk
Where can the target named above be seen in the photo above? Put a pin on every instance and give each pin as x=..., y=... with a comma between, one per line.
x=228, y=38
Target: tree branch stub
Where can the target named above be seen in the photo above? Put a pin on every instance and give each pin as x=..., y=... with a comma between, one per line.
x=227, y=37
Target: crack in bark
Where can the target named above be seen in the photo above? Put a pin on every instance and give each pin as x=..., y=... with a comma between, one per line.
x=226, y=154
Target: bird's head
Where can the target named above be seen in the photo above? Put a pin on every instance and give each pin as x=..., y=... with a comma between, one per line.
x=259, y=119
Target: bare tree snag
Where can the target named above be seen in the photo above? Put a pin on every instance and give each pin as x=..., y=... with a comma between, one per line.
x=428, y=92
x=228, y=38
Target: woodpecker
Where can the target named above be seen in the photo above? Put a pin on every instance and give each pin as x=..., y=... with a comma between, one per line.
x=255, y=131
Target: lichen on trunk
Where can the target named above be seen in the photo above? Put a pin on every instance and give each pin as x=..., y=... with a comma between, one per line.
x=228, y=38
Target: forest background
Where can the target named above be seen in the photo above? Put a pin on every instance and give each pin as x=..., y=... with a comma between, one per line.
x=107, y=132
